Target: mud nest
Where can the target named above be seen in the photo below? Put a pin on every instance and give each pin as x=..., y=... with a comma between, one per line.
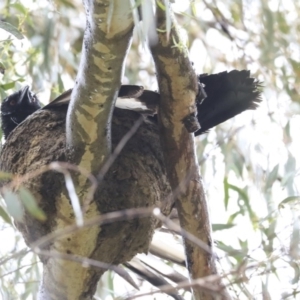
x=136, y=179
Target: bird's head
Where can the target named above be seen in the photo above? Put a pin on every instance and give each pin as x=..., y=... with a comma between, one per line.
x=17, y=107
x=20, y=101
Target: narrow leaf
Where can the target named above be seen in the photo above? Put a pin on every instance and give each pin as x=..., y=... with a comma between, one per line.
x=2, y=68
x=4, y=215
x=8, y=86
x=216, y=227
x=11, y=29
x=288, y=200
x=31, y=205
x=226, y=192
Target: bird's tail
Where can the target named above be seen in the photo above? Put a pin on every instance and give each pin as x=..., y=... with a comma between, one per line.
x=228, y=94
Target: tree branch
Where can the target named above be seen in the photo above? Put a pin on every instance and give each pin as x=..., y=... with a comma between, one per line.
x=106, y=40
x=178, y=89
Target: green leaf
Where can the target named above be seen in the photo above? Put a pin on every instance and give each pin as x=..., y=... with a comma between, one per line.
x=4, y=215
x=19, y=7
x=11, y=29
x=237, y=254
x=8, y=86
x=234, y=215
x=216, y=227
x=161, y=5
x=227, y=248
x=226, y=192
x=68, y=4
x=244, y=196
x=2, y=68
x=243, y=244
x=288, y=200
x=31, y=205
x=282, y=24
x=295, y=65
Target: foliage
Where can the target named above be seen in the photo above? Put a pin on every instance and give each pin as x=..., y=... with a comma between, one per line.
x=250, y=165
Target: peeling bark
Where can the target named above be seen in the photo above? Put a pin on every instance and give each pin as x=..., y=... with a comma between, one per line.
x=178, y=89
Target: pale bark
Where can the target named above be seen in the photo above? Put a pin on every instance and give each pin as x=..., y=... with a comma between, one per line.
x=106, y=40
x=178, y=89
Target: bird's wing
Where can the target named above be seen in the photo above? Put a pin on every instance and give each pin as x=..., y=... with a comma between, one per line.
x=146, y=103
x=132, y=97
x=130, y=91
x=62, y=99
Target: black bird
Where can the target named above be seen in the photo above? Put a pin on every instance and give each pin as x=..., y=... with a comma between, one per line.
x=16, y=108
x=21, y=104
x=228, y=94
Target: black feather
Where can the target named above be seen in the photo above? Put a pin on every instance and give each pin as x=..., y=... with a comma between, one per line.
x=228, y=94
x=16, y=108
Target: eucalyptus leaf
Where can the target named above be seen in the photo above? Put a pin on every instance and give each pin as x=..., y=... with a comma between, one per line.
x=11, y=29
x=288, y=200
x=2, y=68
x=30, y=204
x=8, y=86
x=217, y=227
x=4, y=215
